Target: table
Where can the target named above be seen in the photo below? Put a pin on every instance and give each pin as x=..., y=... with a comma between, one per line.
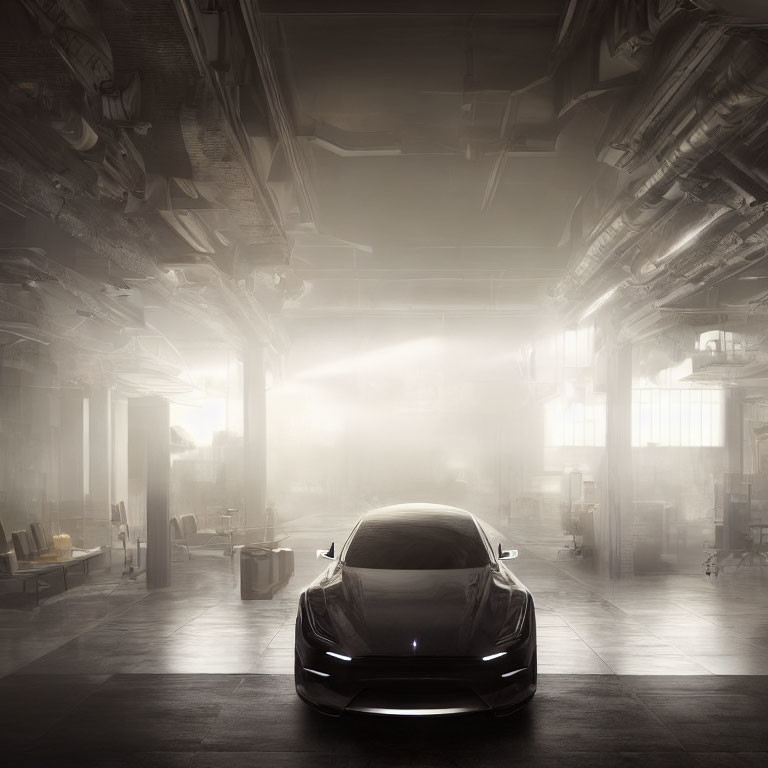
x=35, y=572
x=227, y=535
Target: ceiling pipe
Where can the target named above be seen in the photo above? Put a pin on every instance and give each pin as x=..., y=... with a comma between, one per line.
x=25, y=331
x=253, y=314
x=104, y=307
x=329, y=146
x=737, y=92
x=279, y=112
x=742, y=88
x=188, y=13
x=646, y=269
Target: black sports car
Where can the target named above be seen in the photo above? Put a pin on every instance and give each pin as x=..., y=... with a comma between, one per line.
x=416, y=616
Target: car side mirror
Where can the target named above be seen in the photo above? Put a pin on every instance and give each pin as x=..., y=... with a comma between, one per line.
x=507, y=554
x=329, y=554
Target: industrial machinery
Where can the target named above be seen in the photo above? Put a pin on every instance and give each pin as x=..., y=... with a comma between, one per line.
x=741, y=523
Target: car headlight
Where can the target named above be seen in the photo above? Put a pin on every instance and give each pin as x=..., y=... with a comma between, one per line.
x=317, y=620
x=514, y=627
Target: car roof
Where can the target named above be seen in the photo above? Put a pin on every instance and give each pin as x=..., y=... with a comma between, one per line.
x=418, y=509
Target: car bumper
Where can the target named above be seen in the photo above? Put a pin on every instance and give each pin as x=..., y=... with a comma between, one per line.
x=414, y=686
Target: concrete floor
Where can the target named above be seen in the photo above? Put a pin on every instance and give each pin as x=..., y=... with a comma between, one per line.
x=234, y=720
x=660, y=670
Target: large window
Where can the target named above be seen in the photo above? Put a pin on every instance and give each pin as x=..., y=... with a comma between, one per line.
x=663, y=417
x=677, y=417
x=576, y=423
x=575, y=347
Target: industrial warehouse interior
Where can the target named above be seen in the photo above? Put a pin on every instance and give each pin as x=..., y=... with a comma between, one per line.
x=269, y=265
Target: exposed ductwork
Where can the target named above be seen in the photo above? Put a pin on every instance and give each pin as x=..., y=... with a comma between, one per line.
x=659, y=203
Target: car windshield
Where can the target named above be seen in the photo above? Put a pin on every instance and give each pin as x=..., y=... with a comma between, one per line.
x=413, y=542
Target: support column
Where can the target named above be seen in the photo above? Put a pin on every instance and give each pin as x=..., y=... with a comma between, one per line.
x=254, y=437
x=529, y=455
x=734, y=432
x=157, y=426
x=99, y=458
x=617, y=480
x=120, y=451
x=505, y=462
x=72, y=476
x=136, y=503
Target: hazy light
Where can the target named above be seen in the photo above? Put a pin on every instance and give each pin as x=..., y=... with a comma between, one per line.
x=215, y=405
x=680, y=371
x=506, y=358
x=397, y=355
x=576, y=423
x=677, y=417
x=575, y=347
x=667, y=377
x=201, y=421
x=216, y=373
x=325, y=420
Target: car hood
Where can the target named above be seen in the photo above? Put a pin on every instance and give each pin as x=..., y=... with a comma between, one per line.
x=459, y=612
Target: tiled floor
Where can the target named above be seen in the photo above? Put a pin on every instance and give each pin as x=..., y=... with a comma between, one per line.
x=656, y=671
x=662, y=625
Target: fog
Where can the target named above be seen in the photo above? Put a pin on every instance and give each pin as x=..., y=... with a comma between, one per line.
x=423, y=419
x=509, y=424
x=284, y=283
